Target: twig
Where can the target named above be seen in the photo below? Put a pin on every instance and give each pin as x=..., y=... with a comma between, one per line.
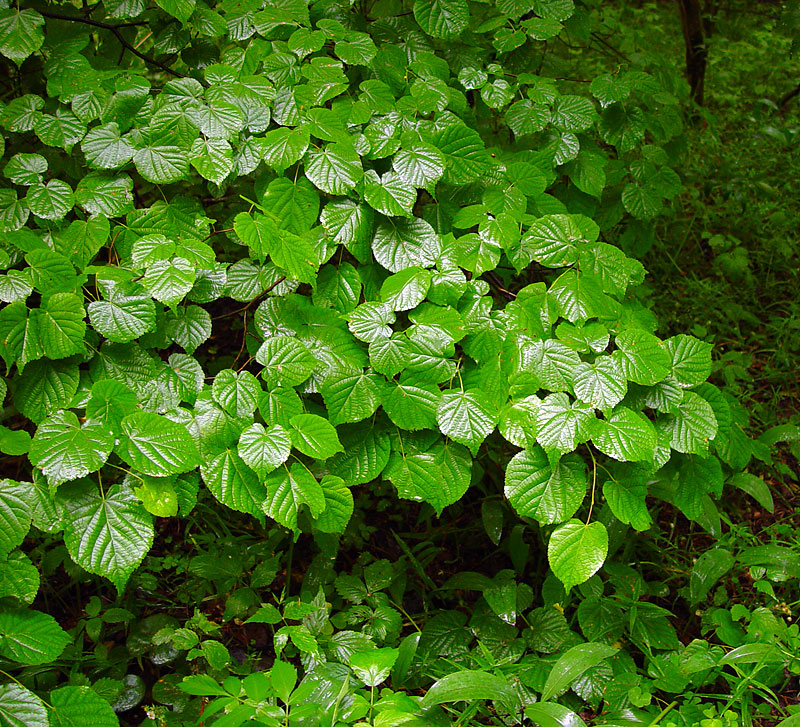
x=258, y=297
x=115, y=30
x=497, y=284
x=789, y=96
x=608, y=45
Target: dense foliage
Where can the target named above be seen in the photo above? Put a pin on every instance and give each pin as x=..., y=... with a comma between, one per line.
x=284, y=272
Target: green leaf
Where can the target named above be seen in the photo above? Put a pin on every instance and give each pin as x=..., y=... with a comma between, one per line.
x=552, y=362
x=189, y=327
x=283, y=147
x=527, y=117
x=237, y=393
x=110, y=402
x=25, y=169
x=338, y=287
x=643, y=357
x=691, y=424
x=707, y=570
x=233, y=483
x=286, y=360
x=264, y=449
x=373, y=667
x=389, y=193
x=626, y=498
x=572, y=664
x=294, y=204
x=366, y=453
x=314, y=436
x=755, y=487
x=439, y=476
x=31, y=637
x=576, y=551
x=407, y=289
x=212, y=158
x=560, y=425
x=349, y=223
x=106, y=148
x=107, y=532
x=464, y=152
x=369, y=322
x=338, y=506
x=419, y=164
x=180, y=9
x=157, y=495
x=466, y=416
x=50, y=201
x=46, y=387
x=359, y=51
x=60, y=325
x=442, y=18
x=334, y=169
x=401, y=243
x=162, y=163
x=626, y=435
x=14, y=441
x=691, y=360
x=538, y=490
x=390, y=355
x=572, y=113
x=349, y=396
x=19, y=578
x=411, y=407
x=295, y=254
x=81, y=707
x=15, y=514
x=168, y=281
x=601, y=384
x=288, y=488
x=550, y=714
x=466, y=685
x=64, y=449
x=553, y=241
x=157, y=446
x=20, y=707
x=21, y=33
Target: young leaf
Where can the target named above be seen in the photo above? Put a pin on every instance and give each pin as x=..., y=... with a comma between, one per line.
x=314, y=436
x=576, y=551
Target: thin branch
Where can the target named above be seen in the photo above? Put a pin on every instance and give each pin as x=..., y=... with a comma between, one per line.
x=115, y=30
x=257, y=298
x=608, y=45
x=789, y=96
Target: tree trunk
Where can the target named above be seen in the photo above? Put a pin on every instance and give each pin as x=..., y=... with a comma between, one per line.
x=696, y=51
